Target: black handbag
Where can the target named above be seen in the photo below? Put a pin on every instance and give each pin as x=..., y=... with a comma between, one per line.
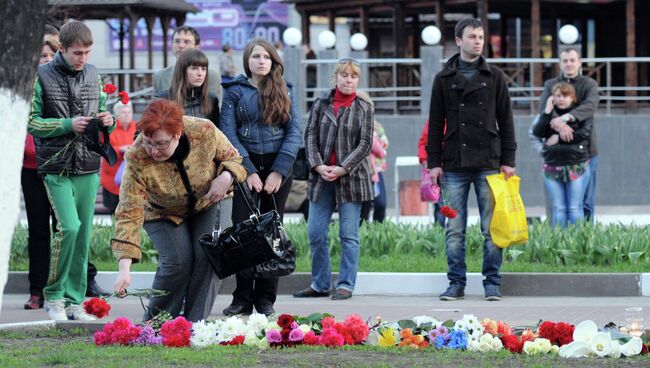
x=245, y=244
x=301, y=166
x=284, y=264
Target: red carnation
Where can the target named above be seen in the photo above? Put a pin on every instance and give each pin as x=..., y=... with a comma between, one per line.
x=109, y=88
x=512, y=343
x=310, y=338
x=177, y=332
x=124, y=97
x=97, y=307
x=285, y=320
x=328, y=322
x=557, y=333
x=331, y=338
x=448, y=212
x=237, y=340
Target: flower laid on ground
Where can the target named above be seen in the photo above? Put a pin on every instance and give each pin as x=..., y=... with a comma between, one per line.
x=557, y=333
x=455, y=340
x=486, y=343
x=540, y=346
x=409, y=340
x=98, y=307
x=471, y=326
x=589, y=342
x=176, y=333
x=119, y=332
x=516, y=343
x=496, y=328
x=422, y=332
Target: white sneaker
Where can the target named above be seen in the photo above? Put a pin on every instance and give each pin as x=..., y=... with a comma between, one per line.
x=56, y=309
x=76, y=312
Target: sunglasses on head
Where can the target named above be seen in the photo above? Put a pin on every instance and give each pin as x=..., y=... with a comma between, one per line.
x=354, y=62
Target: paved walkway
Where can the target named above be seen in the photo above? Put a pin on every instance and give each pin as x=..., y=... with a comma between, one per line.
x=517, y=311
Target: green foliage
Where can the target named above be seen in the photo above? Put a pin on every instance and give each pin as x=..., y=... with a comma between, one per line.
x=418, y=248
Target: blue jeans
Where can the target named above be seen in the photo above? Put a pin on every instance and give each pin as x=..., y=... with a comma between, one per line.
x=456, y=192
x=567, y=199
x=590, y=193
x=320, y=213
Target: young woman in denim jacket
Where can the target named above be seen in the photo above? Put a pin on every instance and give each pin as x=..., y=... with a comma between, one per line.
x=260, y=118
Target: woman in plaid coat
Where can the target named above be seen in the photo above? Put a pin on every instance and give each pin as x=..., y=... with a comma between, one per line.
x=338, y=138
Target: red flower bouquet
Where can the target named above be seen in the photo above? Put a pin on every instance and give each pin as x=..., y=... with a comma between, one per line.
x=97, y=307
x=119, y=332
x=557, y=333
x=177, y=332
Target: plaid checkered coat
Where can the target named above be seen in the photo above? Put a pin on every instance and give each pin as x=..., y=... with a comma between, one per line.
x=350, y=135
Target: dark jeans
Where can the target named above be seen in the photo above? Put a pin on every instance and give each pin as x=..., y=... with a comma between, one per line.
x=39, y=212
x=250, y=291
x=457, y=185
x=379, y=204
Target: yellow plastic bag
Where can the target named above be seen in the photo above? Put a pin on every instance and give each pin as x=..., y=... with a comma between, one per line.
x=509, y=226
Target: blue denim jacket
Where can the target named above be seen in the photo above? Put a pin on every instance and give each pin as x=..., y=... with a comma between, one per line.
x=242, y=124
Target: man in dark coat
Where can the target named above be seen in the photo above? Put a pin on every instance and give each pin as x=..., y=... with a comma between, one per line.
x=471, y=98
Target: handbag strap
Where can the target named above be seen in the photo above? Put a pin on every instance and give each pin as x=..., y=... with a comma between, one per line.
x=248, y=198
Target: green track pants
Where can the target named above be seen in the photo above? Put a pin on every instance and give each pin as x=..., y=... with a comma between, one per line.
x=73, y=202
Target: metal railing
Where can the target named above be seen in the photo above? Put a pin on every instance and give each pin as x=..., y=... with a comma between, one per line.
x=397, y=91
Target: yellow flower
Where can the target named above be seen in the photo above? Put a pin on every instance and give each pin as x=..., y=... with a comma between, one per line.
x=387, y=337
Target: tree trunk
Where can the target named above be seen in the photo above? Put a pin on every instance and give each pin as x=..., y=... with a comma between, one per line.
x=22, y=36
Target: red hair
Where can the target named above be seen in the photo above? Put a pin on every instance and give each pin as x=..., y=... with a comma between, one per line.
x=161, y=114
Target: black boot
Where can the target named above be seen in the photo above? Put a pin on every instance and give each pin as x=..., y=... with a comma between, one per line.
x=93, y=290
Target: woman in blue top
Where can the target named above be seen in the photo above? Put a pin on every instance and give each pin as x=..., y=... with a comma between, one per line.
x=259, y=117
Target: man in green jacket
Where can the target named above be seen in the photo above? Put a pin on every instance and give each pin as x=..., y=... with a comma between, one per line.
x=67, y=95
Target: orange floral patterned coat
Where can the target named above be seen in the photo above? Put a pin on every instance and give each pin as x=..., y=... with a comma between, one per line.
x=152, y=190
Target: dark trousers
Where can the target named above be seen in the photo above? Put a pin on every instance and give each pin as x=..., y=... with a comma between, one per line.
x=39, y=212
x=378, y=204
x=250, y=291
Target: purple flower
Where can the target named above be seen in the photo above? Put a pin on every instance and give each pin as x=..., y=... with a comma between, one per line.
x=273, y=336
x=440, y=331
x=148, y=337
x=294, y=325
x=296, y=335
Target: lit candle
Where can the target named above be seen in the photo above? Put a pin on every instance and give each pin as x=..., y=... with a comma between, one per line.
x=635, y=329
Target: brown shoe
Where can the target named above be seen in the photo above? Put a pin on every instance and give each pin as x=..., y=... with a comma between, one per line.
x=342, y=294
x=309, y=293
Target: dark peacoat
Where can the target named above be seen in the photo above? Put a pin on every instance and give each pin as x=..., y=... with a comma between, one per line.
x=480, y=131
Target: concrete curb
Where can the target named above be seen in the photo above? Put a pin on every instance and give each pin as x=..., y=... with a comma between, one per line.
x=394, y=283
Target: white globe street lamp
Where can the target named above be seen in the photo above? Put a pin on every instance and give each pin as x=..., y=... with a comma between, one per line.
x=327, y=39
x=358, y=41
x=431, y=35
x=568, y=34
x=292, y=36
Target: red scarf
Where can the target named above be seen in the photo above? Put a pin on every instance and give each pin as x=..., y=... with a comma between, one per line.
x=340, y=100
